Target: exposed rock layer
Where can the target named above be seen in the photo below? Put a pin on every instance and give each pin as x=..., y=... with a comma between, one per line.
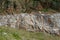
x=33, y=22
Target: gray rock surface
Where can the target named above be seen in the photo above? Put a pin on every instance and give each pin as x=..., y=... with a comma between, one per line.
x=33, y=22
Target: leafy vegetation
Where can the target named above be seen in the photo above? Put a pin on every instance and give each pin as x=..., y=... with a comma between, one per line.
x=7, y=33
x=10, y=6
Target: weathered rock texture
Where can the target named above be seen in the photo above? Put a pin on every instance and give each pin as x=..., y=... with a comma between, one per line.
x=33, y=22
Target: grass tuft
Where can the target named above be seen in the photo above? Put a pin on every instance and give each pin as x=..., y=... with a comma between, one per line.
x=7, y=33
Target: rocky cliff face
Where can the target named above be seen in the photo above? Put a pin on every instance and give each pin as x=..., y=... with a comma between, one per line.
x=33, y=22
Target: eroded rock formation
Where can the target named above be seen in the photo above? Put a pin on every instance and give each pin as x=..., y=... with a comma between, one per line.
x=33, y=22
